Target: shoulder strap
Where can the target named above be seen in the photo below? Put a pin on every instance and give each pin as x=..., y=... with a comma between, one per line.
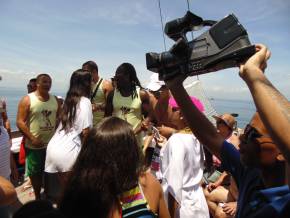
x=96, y=89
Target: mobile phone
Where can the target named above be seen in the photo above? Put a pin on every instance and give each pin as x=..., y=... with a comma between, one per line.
x=156, y=132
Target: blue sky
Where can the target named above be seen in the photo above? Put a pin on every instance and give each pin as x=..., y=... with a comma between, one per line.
x=56, y=37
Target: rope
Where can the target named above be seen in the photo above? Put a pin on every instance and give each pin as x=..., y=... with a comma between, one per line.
x=191, y=31
x=189, y=10
x=195, y=89
x=162, y=25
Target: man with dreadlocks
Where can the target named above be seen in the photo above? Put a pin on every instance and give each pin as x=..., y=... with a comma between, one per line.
x=128, y=99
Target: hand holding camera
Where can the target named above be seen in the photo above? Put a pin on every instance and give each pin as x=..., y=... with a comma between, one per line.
x=224, y=45
x=256, y=63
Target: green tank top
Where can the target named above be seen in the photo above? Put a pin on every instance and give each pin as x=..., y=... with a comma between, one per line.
x=127, y=108
x=42, y=119
x=99, y=98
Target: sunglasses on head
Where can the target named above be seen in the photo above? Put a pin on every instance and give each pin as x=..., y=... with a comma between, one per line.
x=251, y=134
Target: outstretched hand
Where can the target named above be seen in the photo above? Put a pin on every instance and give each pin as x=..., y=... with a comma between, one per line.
x=177, y=80
x=254, y=67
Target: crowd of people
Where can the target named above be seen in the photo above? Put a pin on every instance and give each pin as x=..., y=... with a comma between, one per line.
x=115, y=149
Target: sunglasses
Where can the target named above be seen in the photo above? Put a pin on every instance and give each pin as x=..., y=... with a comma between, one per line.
x=174, y=109
x=219, y=122
x=252, y=134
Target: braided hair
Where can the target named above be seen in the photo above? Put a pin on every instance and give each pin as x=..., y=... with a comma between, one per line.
x=128, y=69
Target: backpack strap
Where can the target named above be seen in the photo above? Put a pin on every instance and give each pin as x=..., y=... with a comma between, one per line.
x=96, y=89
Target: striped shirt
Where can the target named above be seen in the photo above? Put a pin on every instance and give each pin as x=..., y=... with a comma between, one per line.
x=134, y=204
x=5, y=169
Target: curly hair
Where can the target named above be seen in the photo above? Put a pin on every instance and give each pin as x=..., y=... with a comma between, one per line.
x=109, y=163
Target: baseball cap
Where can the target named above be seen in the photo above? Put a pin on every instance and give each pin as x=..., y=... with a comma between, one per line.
x=155, y=84
x=228, y=119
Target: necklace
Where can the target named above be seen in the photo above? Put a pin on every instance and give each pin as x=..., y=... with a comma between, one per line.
x=185, y=130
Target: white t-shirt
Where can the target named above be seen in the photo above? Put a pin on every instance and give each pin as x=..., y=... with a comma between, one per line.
x=182, y=170
x=5, y=169
x=63, y=148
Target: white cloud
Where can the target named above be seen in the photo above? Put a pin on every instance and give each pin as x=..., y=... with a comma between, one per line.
x=125, y=12
x=17, y=78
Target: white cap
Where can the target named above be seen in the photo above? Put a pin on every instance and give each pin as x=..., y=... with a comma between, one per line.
x=155, y=84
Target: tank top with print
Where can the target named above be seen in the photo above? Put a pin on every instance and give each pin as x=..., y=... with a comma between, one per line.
x=127, y=108
x=42, y=119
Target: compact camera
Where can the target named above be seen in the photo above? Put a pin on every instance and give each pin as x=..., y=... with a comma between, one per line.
x=225, y=44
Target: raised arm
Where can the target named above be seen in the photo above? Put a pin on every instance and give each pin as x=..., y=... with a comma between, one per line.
x=272, y=106
x=201, y=127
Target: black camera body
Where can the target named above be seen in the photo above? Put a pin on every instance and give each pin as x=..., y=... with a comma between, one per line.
x=225, y=44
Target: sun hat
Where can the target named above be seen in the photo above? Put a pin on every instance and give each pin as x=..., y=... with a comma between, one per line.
x=228, y=119
x=155, y=84
x=194, y=100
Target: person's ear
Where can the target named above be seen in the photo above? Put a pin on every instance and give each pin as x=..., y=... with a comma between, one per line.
x=280, y=157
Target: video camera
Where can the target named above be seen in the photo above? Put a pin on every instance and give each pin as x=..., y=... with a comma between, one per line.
x=225, y=44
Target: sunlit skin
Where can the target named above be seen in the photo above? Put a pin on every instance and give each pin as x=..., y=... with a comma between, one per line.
x=163, y=94
x=260, y=151
x=223, y=129
x=44, y=84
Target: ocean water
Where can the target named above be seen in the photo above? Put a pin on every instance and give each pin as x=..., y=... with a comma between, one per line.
x=12, y=97
x=245, y=109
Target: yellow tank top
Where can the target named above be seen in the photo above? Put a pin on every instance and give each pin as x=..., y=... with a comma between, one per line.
x=99, y=98
x=127, y=108
x=42, y=118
